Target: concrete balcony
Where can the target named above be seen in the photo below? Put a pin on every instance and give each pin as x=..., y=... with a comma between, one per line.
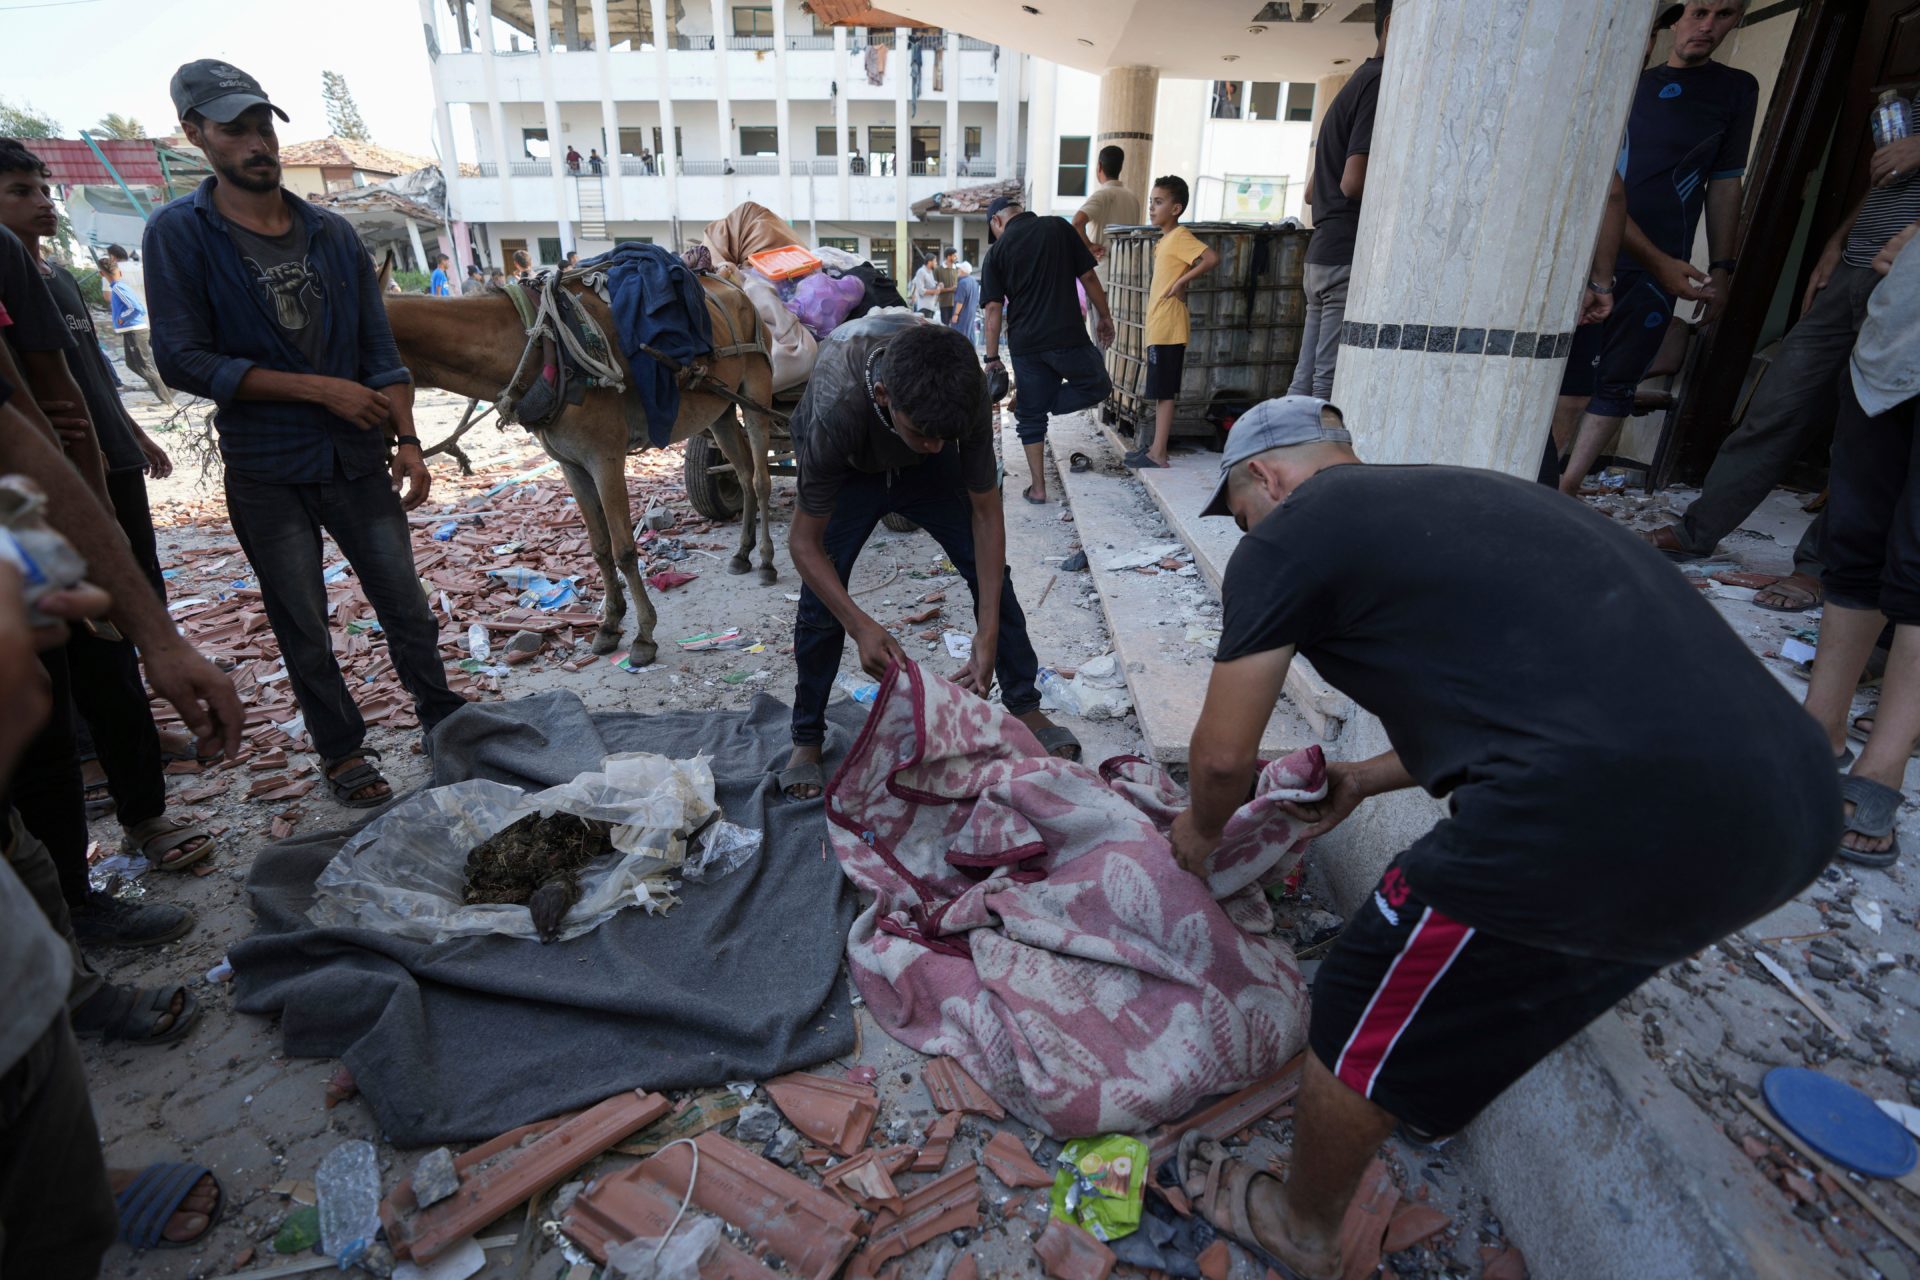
x=692, y=74
x=529, y=195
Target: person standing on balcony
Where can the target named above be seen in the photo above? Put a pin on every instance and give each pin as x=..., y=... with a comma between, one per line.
x=594, y=162
x=573, y=160
x=646, y=161
x=1334, y=189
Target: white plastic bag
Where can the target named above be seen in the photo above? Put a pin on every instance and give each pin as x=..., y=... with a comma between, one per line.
x=405, y=872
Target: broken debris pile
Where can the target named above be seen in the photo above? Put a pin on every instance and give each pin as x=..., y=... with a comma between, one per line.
x=406, y=872
x=1088, y=982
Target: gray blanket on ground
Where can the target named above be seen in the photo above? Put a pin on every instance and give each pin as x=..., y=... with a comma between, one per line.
x=461, y=1040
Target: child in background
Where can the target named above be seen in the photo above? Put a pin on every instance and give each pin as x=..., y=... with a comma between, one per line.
x=1177, y=260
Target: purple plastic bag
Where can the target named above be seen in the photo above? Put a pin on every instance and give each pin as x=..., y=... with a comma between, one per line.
x=823, y=301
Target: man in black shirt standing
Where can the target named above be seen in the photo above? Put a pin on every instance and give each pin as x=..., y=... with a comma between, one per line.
x=1333, y=192
x=896, y=419
x=1026, y=286
x=1589, y=841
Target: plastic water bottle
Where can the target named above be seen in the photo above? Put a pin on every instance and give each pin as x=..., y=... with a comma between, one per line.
x=1056, y=694
x=478, y=646
x=1892, y=119
x=347, y=1185
x=859, y=688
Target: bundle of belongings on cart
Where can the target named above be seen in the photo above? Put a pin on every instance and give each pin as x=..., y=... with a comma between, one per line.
x=801, y=294
x=1024, y=914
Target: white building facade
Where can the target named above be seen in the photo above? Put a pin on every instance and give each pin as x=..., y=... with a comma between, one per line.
x=829, y=127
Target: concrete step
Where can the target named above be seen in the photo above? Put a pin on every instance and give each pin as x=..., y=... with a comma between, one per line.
x=1180, y=491
x=1148, y=615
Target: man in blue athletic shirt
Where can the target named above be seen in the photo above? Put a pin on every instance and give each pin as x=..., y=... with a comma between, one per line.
x=1684, y=153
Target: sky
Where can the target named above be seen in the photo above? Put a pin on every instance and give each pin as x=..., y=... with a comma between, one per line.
x=97, y=56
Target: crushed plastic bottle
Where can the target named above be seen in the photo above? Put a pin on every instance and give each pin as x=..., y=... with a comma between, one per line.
x=347, y=1186
x=859, y=688
x=1056, y=693
x=446, y=531
x=478, y=645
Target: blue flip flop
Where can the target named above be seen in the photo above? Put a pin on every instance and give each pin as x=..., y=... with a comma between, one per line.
x=154, y=1195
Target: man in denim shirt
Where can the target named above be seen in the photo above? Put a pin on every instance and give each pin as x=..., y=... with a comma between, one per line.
x=269, y=307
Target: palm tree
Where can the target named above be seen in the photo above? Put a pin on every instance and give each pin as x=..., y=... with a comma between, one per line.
x=115, y=125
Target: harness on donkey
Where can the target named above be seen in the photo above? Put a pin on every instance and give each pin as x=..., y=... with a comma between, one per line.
x=568, y=352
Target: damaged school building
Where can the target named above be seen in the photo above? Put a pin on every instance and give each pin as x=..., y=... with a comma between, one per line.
x=595, y=999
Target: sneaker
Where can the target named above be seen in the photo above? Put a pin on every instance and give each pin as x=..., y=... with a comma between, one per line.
x=106, y=921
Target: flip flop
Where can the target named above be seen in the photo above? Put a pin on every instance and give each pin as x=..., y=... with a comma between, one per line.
x=1225, y=1206
x=1876, y=807
x=155, y=1195
x=1813, y=603
x=100, y=800
x=804, y=774
x=1038, y=502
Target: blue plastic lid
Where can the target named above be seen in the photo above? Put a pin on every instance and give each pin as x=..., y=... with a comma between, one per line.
x=1839, y=1122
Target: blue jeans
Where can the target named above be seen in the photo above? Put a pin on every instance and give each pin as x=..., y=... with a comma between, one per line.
x=278, y=526
x=1062, y=381
x=933, y=496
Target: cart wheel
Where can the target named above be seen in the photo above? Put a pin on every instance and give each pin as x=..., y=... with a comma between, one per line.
x=714, y=494
x=898, y=523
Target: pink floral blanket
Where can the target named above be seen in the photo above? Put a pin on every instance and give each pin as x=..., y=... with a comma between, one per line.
x=1028, y=917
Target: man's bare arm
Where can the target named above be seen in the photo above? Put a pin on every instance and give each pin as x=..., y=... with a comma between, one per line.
x=51, y=382
x=1723, y=234
x=1353, y=177
x=993, y=329
x=203, y=696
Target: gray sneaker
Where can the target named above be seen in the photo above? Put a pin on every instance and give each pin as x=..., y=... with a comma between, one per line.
x=106, y=921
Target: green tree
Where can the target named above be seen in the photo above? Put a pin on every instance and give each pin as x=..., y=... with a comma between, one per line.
x=115, y=125
x=343, y=116
x=22, y=121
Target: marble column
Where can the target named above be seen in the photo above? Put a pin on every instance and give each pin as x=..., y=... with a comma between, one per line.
x=563, y=199
x=843, y=69
x=900, y=67
x=723, y=101
x=666, y=157
x=785, y=142
x=1484, y=191
x=443, y=121
x=496, y=119
x=615, y=197
x=1127, y=97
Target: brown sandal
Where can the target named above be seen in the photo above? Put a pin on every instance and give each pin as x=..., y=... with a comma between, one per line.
x=1225, y=1206
x=155, y=838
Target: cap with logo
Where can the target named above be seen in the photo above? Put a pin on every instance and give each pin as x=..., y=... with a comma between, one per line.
x=1275, y=424
x=993, y=211
x=218, y=90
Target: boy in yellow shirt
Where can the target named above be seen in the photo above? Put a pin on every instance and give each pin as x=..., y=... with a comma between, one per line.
x=1179, y=258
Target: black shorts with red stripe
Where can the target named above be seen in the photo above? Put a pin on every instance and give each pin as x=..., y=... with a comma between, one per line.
x=1432, y=1019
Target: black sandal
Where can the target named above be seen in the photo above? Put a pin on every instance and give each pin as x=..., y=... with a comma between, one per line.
x=132, y=1013
x=1876, y=808
x=351, y=780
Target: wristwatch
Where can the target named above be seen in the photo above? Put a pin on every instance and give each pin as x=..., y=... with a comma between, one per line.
x=993, y=359
x=398, y=441
x=1600, y=288
x=1723, y=264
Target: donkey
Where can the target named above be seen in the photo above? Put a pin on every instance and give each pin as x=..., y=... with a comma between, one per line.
x=471, y=346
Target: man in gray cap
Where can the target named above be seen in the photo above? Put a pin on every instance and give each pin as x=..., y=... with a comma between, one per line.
x=1501, y=635
x=268, y=306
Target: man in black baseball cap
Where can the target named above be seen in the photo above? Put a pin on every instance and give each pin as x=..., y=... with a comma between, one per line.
x=217, y=91
x=268, y=306
x=1491, y=625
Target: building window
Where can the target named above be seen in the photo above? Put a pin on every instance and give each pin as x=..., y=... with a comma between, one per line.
x=847, y=244
x=973, y=142
x=924, y=249
x=820, y=26
x=1263, y=100
x=1226, y=100
x=534, y=143
x=880, y=139
x=1073, y=167
x=925, y=140
x=633, y=142
x=970, y=252
x=823, y=140
x=550, y=254
x=882, y=252
x=679, y=146
x=752, y=20
x=1300, y=101
x=759, y=140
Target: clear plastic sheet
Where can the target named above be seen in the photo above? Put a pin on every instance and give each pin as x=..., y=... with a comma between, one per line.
x=405, y=872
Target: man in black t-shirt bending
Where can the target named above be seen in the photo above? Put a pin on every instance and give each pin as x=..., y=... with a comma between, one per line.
x=896, y=419
x=1590, y=839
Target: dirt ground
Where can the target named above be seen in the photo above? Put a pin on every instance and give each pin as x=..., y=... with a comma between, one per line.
x=227, y=1097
